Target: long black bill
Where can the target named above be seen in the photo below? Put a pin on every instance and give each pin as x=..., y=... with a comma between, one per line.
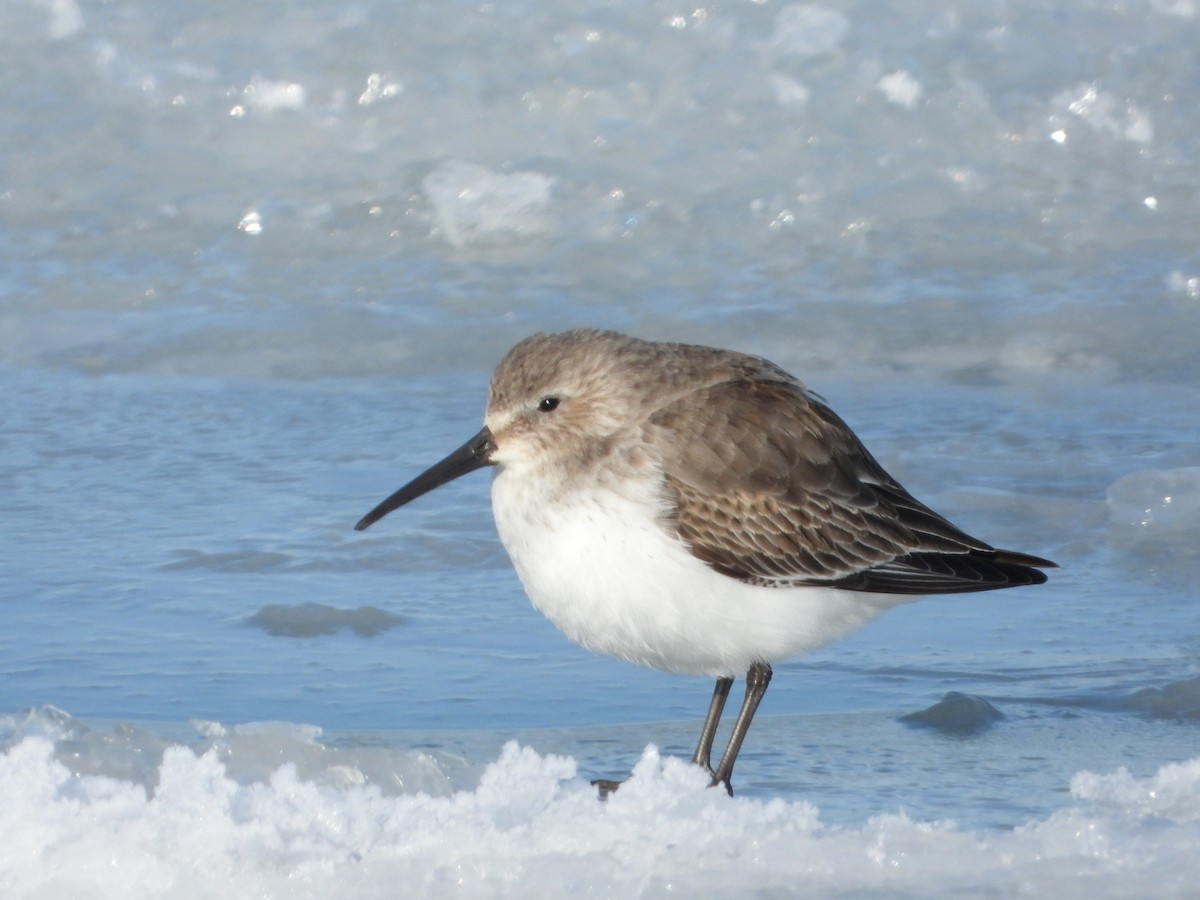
x=474, y=454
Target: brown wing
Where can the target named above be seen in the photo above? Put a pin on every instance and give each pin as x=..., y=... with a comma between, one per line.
x=769, y=486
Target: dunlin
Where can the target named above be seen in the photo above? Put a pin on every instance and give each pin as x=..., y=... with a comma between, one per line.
x=699, y=511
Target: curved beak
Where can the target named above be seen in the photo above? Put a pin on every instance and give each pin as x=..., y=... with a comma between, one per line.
x=474, y=454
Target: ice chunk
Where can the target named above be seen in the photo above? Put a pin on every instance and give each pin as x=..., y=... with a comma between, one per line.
x=1105, y=113
x=267, y=95
x=901, y=89
x=66, y=19
x=472, y=203
x=788, y=91
x=806, y=29
x=1183, y=9
x=1156, y=510
x=1172, y=794
x=1188, y=285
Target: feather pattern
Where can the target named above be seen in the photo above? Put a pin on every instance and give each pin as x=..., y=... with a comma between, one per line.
x=766, y=484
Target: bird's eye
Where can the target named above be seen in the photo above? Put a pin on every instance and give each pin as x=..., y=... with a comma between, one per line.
x=548, y=404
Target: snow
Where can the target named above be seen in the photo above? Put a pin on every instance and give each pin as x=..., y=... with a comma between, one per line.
x=531, y=827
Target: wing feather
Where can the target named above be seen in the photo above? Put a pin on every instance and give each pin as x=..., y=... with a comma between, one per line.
x=768, y=485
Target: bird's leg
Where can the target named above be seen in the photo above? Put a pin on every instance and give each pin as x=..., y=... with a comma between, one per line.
x=703, y=749
x=757, y=680
x=703, y=754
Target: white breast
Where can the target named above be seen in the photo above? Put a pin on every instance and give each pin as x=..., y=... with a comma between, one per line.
x=600, y=567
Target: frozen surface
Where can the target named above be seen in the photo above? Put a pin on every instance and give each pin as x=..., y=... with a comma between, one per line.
x=256, y=262
x=527, y=825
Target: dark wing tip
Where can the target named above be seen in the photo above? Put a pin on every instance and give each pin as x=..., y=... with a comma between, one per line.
x=949, y=573
x=1023, y=559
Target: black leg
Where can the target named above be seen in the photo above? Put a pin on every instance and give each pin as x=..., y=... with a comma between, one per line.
x=757, y=680
x=703, y=755
x=605, y=786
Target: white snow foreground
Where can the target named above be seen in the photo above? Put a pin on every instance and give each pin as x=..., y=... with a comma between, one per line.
x=533, y=828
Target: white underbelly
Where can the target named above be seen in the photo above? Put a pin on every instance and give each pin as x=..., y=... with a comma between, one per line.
x=611, y=579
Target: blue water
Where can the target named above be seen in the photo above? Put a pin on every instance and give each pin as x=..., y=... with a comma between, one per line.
x=256, y=265
x=150, y=519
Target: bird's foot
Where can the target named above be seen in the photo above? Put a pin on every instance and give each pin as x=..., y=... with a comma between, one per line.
x=724, y=782
x=605, y=786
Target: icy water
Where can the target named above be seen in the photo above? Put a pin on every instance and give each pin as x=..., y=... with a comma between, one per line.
x=256, y=264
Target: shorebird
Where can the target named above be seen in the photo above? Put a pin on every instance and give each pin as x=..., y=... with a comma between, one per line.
x=699, y=511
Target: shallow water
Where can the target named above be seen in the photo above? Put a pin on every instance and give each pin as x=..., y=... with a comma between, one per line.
x=255, y=269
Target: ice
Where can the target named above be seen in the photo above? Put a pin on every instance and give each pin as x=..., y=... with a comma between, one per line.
x=988, y=174
x=378, y=89
x=1172, y=794
x=66, y=19
x=788, y=91
x=901, y=88
x=1184, y=9
x=269, y=96
x=251, y=223
x=472, y=203
x=1187, y=285
x=1104, y=113
x=803, y=29
x=1156, y=502
x=1156, y=513
x=530, y=827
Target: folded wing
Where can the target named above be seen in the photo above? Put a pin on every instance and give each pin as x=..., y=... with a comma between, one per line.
x=767, y=485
